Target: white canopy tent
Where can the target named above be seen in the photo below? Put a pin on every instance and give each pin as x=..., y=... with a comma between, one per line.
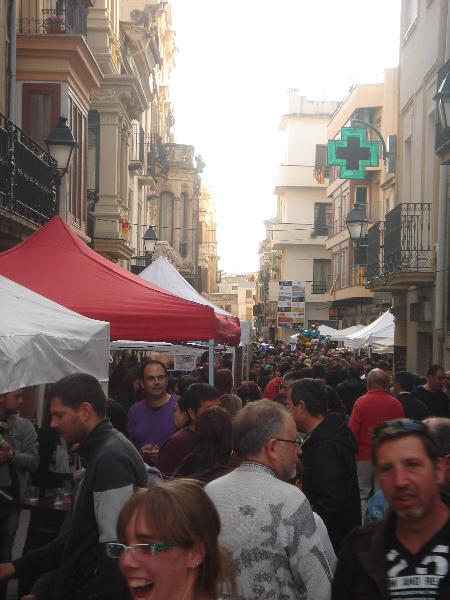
x=164, y=275
x=339, y=335
x=379, y=335
x=41, y=341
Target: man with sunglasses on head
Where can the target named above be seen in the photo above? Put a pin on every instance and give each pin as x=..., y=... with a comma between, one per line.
x=113, y=470
x=406, y=554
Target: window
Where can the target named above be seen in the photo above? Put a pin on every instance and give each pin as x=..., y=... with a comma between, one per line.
x=77, y=175
x=409, y=17
x=234, y=288
x=336, y=283
x=248, y=294
x=41, y=107
x=166, y=217
x=321, y=276
x=361, y=195
x=183, y=225
x=344, y=268
x=323, y=218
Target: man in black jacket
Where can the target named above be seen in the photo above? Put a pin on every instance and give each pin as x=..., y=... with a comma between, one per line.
x=351, y=388
x=114, y=469
x=404, y=383
x=330, y=480
x=406, y=554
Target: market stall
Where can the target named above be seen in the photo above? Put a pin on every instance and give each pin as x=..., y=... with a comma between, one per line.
x=41, y=341
x=56, y=263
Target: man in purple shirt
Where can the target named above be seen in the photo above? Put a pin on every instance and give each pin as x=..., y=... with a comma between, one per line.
x=150, y=422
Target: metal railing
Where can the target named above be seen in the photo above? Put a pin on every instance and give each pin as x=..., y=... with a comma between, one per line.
x=28, y=175
x=320, y=287
x=157, y=163
x=402, y=243
x=52, y=16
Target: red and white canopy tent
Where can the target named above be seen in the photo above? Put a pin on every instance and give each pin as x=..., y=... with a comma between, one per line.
x=57, y=264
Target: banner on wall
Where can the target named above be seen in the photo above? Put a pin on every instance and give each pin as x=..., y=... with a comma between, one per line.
x=291, y=304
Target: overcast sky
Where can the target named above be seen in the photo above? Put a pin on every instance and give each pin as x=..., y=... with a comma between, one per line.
x=235, y=63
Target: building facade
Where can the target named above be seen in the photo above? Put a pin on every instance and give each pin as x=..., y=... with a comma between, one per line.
x=303, y=209
x=352, y=303
x=237, y=295
x=207, y=243
x=409, y=242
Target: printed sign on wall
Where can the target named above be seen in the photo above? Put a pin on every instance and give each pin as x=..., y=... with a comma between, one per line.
x=291, y=304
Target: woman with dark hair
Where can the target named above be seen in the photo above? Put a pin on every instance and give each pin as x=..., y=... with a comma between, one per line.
x=172, y=551
x=129, y=391
x=223, y=381
x=211, y=455
x=248, y=391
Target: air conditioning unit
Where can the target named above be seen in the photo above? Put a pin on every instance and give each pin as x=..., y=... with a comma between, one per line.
x=421, y=312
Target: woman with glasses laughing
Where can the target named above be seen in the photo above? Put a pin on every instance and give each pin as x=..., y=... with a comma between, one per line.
x=169, y=544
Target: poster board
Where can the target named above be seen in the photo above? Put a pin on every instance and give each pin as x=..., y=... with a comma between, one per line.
x=291, y=304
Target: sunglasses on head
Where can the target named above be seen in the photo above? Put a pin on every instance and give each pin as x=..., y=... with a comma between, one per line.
x=404, y=424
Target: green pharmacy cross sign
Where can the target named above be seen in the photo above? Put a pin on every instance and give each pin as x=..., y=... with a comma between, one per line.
x=353, y=153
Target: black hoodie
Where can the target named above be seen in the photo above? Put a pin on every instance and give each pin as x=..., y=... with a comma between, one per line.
x=330, y=480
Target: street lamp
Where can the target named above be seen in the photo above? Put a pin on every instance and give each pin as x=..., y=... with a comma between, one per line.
x=357, y=224
x=61, y=144
x=442, y=98
x=149, y=238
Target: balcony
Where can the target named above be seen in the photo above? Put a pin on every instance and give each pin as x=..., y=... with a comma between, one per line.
x=27, y=176
x=284, y=234
x=319, y=287
x=52, y=16
x=296, y=176
x=399, y=250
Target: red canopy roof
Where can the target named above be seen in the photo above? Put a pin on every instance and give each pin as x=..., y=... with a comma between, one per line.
x=57, y=264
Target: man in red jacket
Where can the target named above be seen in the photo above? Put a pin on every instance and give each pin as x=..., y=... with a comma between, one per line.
x=374, y=407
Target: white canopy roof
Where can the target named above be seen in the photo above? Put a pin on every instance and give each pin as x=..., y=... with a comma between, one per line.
x=379, y=334
x=163, y=274
x=337, y=335
x=41, y=341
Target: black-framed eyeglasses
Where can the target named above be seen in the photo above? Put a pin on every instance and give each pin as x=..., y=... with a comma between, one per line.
x=116, y=550
x=404, y=424
x=298, y=442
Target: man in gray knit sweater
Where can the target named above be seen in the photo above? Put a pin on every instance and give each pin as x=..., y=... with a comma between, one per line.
x=267, y=524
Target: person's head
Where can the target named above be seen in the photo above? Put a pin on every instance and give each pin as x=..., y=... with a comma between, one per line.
x=179, y=525
x=231, y=403
x=383, y=365
x=404, y=381
x=184, y=382
x=284, y=367
x=223, y=381
x=213, y=435
x=377, y=379
x=319, y=371
x=265, y=432
x=248, y=391
x=180, y=415
x=308, y=403
x=405, y=457
x=11, y=402
x=255, y=368
x=154, y=380
x=287, y=382
x=77, y=404
x=353, y=371
x=440, y=430
x=131, y=382
x=116, y=413
x=436, y=378
x=199, y=397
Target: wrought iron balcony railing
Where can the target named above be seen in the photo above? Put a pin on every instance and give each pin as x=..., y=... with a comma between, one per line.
x=27, y=175
x=52, y=16
x=402, y=243
x=319, y=287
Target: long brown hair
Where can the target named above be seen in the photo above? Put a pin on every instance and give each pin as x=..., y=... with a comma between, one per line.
x=179, y=510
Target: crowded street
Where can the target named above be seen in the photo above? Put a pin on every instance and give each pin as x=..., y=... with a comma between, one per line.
x=224, y=300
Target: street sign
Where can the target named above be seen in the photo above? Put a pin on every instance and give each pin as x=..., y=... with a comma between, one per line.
x=353, y=153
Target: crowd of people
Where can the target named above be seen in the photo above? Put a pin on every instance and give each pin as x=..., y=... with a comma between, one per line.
x=323, y=475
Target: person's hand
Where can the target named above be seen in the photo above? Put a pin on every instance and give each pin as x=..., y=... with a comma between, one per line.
x=6, y=453
x=7, y=570
x=149, y=453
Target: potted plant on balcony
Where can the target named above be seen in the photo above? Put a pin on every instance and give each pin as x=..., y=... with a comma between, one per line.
x=54, y=24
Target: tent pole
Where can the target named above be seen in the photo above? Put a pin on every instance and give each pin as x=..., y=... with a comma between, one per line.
x=211, y=361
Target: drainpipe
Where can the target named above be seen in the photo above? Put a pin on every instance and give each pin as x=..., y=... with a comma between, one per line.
x=12, y=63
x=441, y=251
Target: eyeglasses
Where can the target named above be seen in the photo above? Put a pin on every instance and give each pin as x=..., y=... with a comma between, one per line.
x=299, y=444
x=404, y=424
x=116, y=550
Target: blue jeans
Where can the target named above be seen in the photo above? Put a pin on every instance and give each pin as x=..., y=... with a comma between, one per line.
x=9, y=521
